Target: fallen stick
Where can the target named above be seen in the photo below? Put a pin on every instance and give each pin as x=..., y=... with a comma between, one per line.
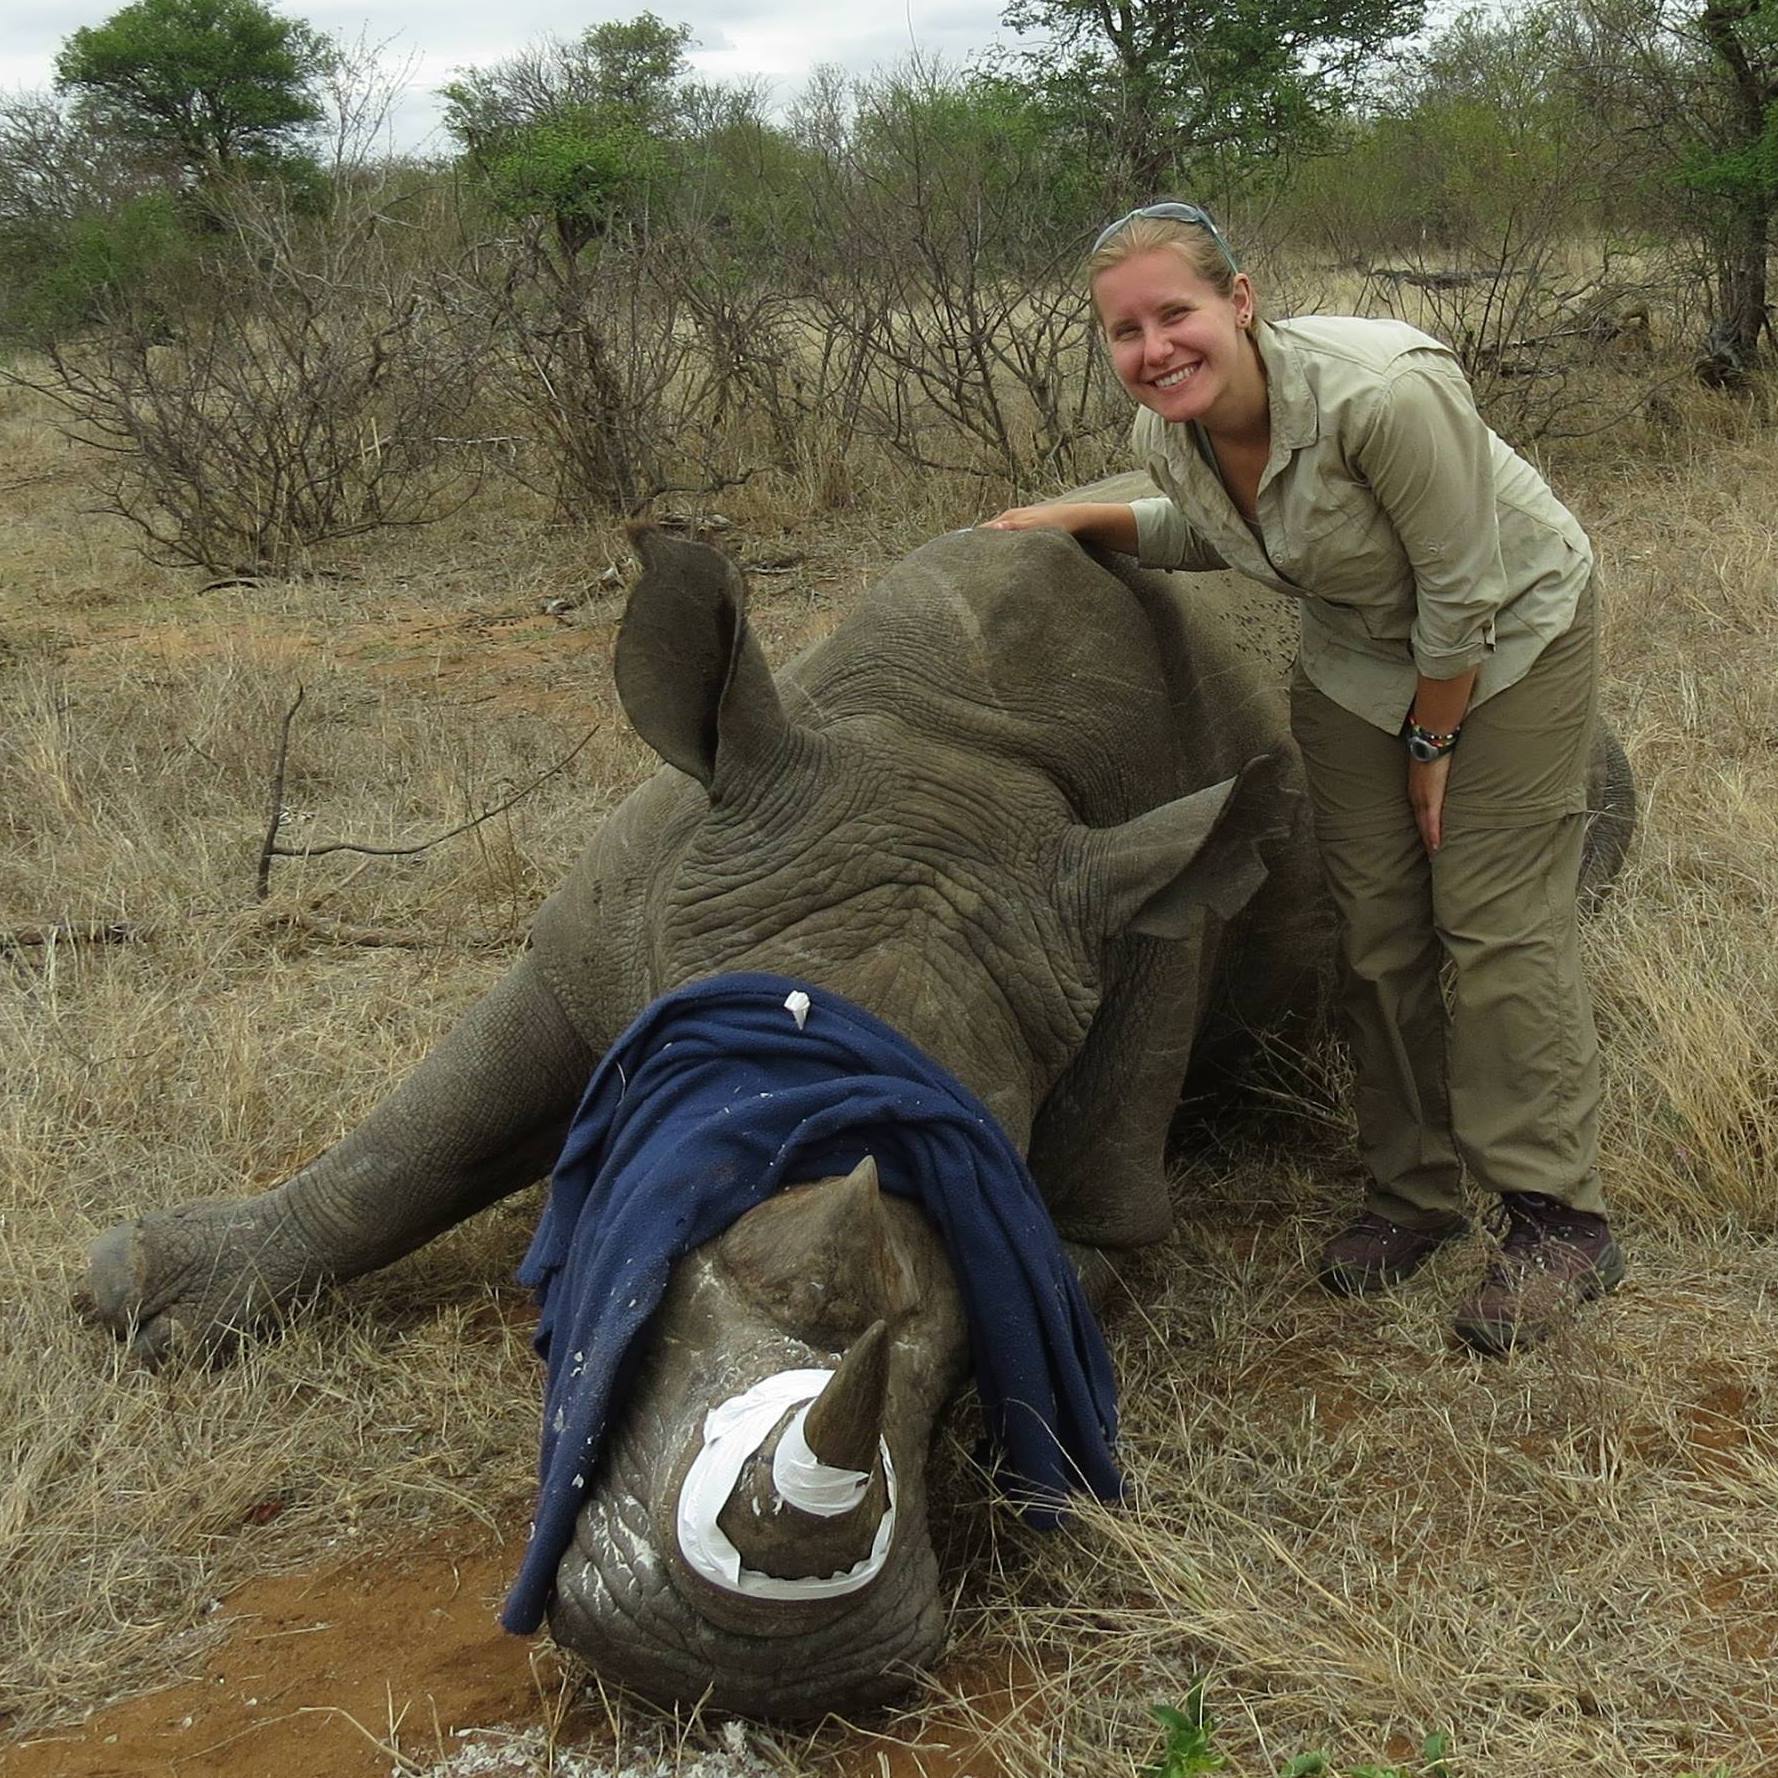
x=69, y=932
x=270, y=848
x=400, y=938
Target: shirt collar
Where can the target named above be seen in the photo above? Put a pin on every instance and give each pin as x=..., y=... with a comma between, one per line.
x=1295, y=414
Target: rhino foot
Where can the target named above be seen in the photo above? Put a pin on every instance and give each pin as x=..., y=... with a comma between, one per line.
x=189, y=1283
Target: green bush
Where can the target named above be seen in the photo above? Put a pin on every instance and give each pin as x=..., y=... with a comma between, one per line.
x=69, y=275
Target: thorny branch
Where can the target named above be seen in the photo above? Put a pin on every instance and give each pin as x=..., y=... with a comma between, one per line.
x=275, y=819
x=715, y=485
x=271, y=849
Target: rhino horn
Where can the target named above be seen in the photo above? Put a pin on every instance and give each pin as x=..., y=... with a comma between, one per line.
x=846, y=1419
x=788, y=1537
x=822, y=1260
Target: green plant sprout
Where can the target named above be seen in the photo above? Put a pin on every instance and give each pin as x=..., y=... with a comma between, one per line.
x=1435, y=1762
x=1188, y=1748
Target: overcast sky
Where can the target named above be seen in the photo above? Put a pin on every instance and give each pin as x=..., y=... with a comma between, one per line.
x=779, y=40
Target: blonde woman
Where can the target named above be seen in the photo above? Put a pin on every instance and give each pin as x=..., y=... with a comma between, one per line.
x=1443, y=699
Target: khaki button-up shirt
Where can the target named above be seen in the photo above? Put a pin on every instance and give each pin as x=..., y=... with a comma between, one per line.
x=1417, y=541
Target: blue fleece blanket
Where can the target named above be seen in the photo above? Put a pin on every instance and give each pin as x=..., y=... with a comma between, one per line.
x=710, y=1102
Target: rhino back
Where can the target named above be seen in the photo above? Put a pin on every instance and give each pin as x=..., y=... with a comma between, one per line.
x=1019, y=647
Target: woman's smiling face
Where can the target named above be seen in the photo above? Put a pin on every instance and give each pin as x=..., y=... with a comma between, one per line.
x=1177, y=343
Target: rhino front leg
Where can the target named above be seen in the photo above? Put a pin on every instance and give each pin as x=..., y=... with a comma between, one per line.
x=1098, y=1145
x=483, y=1116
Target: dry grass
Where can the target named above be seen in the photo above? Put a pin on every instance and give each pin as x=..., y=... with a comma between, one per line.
x=1565, y=1560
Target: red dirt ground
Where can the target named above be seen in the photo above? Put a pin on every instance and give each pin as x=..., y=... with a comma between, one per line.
x=312, y=1670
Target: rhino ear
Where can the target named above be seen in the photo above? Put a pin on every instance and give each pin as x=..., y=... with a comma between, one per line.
x=1203, y=851
x=690, y=675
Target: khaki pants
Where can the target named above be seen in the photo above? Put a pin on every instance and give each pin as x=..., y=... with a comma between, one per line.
x=1505, y=1073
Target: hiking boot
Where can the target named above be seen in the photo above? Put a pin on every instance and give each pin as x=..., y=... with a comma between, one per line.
x=1552, y=1260
x=1375, y=1254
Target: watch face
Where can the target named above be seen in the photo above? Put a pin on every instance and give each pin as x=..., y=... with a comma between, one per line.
x=1424, y=751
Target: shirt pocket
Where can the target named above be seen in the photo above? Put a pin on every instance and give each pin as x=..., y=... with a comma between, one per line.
x=1326, y=499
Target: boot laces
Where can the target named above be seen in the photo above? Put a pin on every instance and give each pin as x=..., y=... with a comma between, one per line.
x=1530, y=1220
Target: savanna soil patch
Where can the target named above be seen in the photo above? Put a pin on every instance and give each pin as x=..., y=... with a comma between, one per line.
x=318, y=1671
x=390, y=1661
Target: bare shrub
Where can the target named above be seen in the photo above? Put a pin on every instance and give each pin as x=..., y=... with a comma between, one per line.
x=314, y=391
x=954, y=327
x=617, y=400
x=1530, y=326
x=762, y=359
x=963, y=370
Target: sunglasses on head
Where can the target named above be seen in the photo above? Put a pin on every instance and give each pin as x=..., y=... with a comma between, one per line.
x=1171, y=212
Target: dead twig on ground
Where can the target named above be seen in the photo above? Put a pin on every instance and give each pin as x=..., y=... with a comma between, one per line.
x=398, y=938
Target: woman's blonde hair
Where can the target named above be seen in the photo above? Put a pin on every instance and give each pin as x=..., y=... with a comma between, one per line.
x=1204, y=252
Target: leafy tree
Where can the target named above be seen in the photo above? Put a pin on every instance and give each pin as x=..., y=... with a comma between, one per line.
x=1737, y=169
x=81, y=229
x=580, y=133
x=1699, y=86
x=212, y=86
x=1476, y=139
x=739, y=172
x=582, y=172
x=985, y=149
x=1172, y=81
x=94, y=266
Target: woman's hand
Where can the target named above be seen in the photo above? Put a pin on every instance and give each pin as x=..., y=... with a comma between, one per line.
x=1426, y=796
x=1054, y=515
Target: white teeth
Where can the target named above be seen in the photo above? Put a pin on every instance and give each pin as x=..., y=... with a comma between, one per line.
x=1174, y=378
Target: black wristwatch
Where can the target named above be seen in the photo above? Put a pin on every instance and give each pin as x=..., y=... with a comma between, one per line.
x=1424, y=744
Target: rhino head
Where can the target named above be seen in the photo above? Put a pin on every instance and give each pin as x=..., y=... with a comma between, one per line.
x=888, y=830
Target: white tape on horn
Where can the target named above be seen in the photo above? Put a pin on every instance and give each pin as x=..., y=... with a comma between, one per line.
x=733, y=1431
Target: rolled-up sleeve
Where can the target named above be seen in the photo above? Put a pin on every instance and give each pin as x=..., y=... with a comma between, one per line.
x=1429, y=459
x=1165, y=539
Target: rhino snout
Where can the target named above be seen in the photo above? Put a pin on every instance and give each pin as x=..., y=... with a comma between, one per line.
x=647, y=1620
x=783, y=1565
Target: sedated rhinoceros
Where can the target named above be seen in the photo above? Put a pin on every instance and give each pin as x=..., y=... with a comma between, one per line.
x=1016, y=806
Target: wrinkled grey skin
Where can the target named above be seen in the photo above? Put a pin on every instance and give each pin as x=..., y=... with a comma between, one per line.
x=1017, y=805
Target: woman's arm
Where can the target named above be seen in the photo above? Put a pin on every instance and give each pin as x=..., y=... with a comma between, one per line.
x=1440, y=704
x=1110, y=523
x=1153, y=530
x=1429, y=458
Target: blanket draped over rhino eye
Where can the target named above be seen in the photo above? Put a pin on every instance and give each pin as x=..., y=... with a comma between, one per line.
x=733, y=1431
